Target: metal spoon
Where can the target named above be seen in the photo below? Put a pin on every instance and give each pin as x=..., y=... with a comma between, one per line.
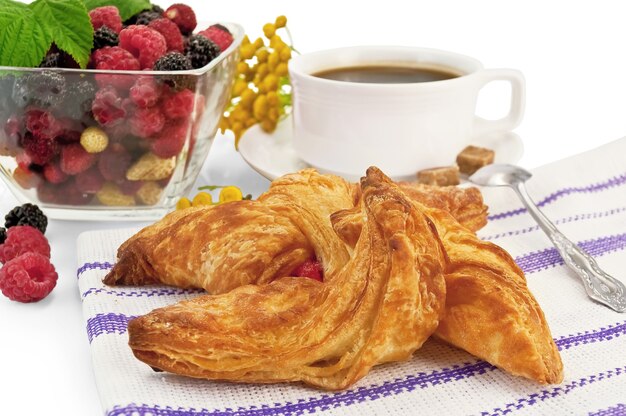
x=599, y=285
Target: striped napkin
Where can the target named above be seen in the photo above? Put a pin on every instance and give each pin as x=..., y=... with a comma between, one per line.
x=584, y=195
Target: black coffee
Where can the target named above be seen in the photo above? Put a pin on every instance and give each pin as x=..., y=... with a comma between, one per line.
x=387, y=74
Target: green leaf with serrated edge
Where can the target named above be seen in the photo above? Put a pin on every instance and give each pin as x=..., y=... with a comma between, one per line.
x=23, y=41
x=68, y=24
x=127, y=8
x=9, y=10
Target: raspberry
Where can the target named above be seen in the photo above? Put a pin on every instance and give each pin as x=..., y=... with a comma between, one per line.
x=42, y=124
x=129, y=187
x=94, y=140
x=171, y=33
x=90, y=181
x=145, y=92
x=3, y=235
x=78, y=99
x=27, y=214
x=75, y=159
x=114, y=162
x=171, y=140
x=44, y=89
x=40, y=151
x=201, y=51
x=178, y=105
x=69, y=194
x=25, y=178
x=115, y=58
x=47, y=193
x=183, y=16
x=108, y=108
x=108, y=16
x=104, y=36
x=52, y=173
x=219, y=35
x=147, y=122
x=310, y=268
x=23, y=239
x=28, y=278
x=144, y=43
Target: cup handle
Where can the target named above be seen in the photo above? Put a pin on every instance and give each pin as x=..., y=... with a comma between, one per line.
x=518, y=101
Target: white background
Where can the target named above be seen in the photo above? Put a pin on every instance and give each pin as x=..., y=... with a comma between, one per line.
x=574, y=60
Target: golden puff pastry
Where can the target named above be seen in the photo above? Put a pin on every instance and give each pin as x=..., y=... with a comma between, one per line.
x=490, y=312
x=225, y=246
x=380, y=306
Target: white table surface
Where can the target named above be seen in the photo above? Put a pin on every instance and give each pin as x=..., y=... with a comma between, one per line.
x=570, y=52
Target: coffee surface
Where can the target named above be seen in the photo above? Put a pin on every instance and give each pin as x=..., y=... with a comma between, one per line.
x=387, y=74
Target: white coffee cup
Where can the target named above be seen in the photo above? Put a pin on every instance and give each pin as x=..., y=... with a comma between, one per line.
x=344, y=127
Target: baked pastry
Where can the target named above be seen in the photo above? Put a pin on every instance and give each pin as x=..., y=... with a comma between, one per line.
x=229, y=245
x=489, y=310
x=380, y=306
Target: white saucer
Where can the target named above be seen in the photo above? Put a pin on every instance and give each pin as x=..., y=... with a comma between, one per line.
x=272, y=155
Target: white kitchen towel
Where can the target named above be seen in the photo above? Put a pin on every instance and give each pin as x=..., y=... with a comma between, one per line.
x=584, y=195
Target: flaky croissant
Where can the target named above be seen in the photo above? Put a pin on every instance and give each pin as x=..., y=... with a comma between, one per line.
x=489, y=310
x=380, y=306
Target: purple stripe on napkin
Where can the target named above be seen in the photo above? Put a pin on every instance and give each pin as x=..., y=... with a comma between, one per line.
x=573, y=218
x=107, y=323
x=550, y=257
x=593, y=188
x=93, y=266
x=618, y=410
x=350, y=397
x=357, y=396
x=548, y=394
x=161, y=291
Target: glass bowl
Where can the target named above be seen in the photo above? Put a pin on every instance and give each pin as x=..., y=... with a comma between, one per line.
x=110, y=145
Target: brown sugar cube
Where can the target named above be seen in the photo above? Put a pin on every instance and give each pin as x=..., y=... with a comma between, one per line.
x=443, y=176
x=473, y=158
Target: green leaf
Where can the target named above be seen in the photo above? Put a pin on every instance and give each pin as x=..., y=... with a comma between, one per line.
x=127, y=8
x=23, y=41
x=68, y=24
x=210, y=187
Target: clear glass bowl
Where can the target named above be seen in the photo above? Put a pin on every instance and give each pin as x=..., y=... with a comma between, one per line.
x=110, y=145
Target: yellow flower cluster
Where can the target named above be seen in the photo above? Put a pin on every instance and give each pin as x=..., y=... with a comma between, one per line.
x=261, y=92
x=227, y=194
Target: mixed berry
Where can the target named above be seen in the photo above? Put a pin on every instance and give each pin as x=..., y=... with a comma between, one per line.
x=98, y=138
x=26, y=274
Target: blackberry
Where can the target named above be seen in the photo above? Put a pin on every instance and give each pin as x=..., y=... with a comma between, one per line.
x=157, y=9
x=144, y=18
x=172, y=61
x=105, y=37
x=27, y=214
x=3, y=235
x=78, y=98
x=51, y=60
x=44, y=89
x=175, y=61
x=200, y=51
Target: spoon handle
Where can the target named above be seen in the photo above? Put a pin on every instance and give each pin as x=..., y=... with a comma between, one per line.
x=598, y=284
